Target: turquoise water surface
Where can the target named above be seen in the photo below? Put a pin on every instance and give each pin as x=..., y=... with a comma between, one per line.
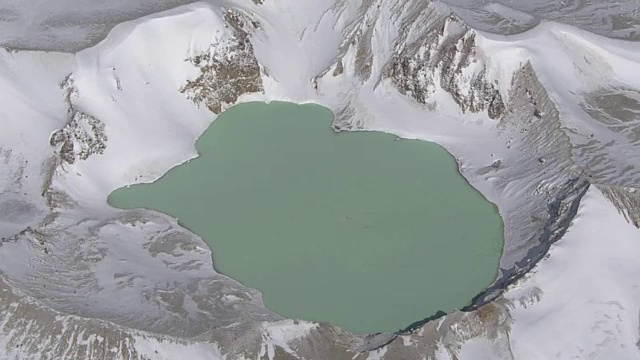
x=361, y=230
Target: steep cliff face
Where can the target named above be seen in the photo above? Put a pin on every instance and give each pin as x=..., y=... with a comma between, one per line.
x=228, y=69
x=443, y=56
x=83, y=135
x=611, y=160
x=422, y=47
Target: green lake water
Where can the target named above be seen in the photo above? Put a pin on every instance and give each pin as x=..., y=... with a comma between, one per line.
x=361, y=230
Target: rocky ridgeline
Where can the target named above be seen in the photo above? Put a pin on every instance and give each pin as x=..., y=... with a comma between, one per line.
x=83, y=135
x=433, y=50
x=227, y=70
x=444, y=56
x=611, y=160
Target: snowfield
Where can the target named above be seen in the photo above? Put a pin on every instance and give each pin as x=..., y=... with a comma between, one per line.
x=543, y=123
x=581, y=301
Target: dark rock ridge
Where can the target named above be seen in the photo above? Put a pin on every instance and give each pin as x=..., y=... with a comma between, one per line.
x=433, y=50
x=83, y=135
x=225, y=75
x=444, y=56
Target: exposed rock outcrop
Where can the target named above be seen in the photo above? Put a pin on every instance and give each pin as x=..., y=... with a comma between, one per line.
x=227, y=70
x=83, y=136
x=443, y=56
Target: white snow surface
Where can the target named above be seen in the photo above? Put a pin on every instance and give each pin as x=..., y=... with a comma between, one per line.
x=152, y=348
x=31, y=110
x=581, y=302
x=151, y=125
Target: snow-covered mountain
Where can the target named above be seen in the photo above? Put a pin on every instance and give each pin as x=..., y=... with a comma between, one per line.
x=539, y=107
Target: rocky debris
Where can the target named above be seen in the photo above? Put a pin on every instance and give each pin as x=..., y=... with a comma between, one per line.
x=491, y=322
x=433, y=50
x=227, y=71
x=30, y=330
x=346, y=120
x=339, y=69
x=359, y=36
x=444, y=56
x=626, y=199
x=178, y=296
x=328, y=342
x=610, y=155
x=14, y=170
x=532, y=121
x=361, y=40
x=560, y=213
x=532, y=128
x=82, y=136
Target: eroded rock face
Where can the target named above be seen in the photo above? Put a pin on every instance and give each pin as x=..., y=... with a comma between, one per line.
x=444, y=56
x=610, y=156
x=39, y=332
x=626, y=199
x=227, y=71
x=83, y=136
x=433, y=51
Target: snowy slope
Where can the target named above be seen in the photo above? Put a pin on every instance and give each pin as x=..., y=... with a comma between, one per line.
x=582, y=300
x=527, y=117
x=71, y=25
x=32, y=109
